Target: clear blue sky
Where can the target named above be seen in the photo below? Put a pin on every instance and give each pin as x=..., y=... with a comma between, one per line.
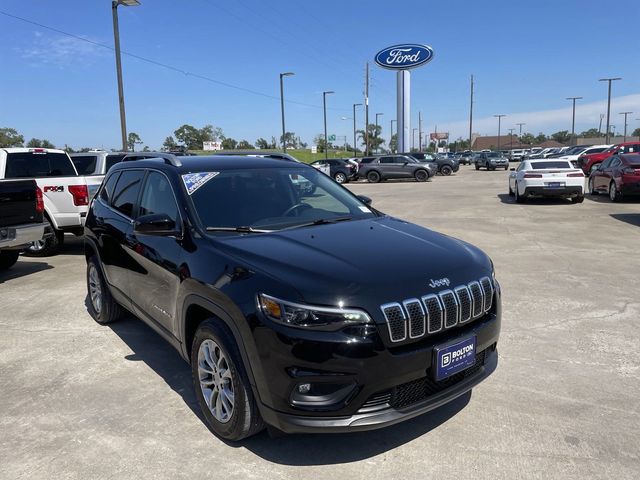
x=527, y=56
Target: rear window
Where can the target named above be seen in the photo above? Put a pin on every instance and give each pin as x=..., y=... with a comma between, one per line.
x=547, y=165
x=594, y=150
x=112, y=160
x=85, y=164
x=36, y=165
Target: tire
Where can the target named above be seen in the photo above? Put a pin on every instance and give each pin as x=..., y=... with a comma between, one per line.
x=519, y=198
x=510, y=190
x=614, y=195
x=340, y=177
x=506, y=168
x=577, y=199
x=47, y=246
x=213, y=350
x=421, y=175
x=592, y=190
x=373, y=177
x=8, y=259
x=477, y=167
x=446, y=170
x=102, y=307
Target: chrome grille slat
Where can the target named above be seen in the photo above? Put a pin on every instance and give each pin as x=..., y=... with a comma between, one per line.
x=414, y=318
x=396, y=321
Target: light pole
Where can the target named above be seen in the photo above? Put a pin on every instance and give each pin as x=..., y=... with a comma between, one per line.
x=377, y=136
x=600, y=124
x=282, y=75
x=625, y=125
x=573, y=118
x=413, y=138
x=324, y=108
x=391, y=134
x=116, y=40
x=511, y=139
x=609, y=102
x=355, y=150
x=499, y=120
x=520, y=133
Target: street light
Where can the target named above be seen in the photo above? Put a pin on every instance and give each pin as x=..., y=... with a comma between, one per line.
x=413, y=138
x=609, y=102
x=355, y=150
x=282, y=75
x=625, y=125
x=511, y=139
x=377, y=136
x=324, y=107
x=391, y=134
x=499, y=120
x=520, y=133
x=573, y=118
x=116, y=39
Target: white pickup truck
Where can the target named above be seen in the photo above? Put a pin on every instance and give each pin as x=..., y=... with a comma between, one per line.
x=66, y=194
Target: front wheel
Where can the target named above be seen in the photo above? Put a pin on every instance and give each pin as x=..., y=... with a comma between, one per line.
x=8, y=259
x=221, y=384
x=446, y=170
x=506, y=168
x=340, y=177
x=373, y=177
x=477, y=167
x=421, y=175
x=614, y=195
x=592, y=189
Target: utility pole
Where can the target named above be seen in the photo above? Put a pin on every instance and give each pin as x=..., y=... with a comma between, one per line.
x=282, y=75
x=391, y=135
x=625, y=125
x=366, y=111
x=600, y=125
x=419, y=131
x=499, y=119
x=511, y=139
x=573, y=118
x=609, y=104
x=413, y=139
x=471, y=114
x=355, y=150
x=324, y=107
x=520, y=133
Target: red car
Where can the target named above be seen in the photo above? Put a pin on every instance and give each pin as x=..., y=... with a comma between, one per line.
x=588, y=163
x=617, y=176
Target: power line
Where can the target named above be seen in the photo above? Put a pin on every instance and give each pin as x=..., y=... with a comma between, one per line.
x=161, y=64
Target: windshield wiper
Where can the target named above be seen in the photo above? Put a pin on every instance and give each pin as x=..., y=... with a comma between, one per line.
x=320, y=221
x=241, y=229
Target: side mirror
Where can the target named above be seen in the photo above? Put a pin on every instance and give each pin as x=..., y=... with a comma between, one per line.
x=155, y=224
x=406, y=163
x=512, y=169
x=364, y=199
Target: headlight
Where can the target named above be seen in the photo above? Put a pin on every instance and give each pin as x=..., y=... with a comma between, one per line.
x=309, y=316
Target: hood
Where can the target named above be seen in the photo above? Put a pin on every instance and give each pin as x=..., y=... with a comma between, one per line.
x=375, y=260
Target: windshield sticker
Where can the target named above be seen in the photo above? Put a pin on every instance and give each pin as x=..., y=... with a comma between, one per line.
x=193, y=181
x=365, y=209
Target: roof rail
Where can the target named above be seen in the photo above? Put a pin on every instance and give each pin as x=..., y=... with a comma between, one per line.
x=168, y=158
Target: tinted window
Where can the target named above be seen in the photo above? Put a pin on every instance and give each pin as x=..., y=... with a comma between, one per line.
x=367, y=160
x=107, y=190
x=594, y=150
x=386, y=160
x=546, y=165
x=157, y=197
x=112, y=160
x=126, y=192
x=34, y=165
x=85, y=164
x=607, y=162
x=630, y=149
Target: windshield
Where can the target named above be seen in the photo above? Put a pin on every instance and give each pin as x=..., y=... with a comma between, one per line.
x=273, y=199
x=494, y=155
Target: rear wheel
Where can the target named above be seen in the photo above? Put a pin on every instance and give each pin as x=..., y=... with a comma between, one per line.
x=102, y=307
x=510, y=190
x=221, y=384
x=577, y=199
x=519, y=198
x=614, y=195
x=592, y=189
x=446, y=170
x=340, y=177
x=477, y=167
x=373, y=177
x=421, y=175
x=48, y=246
x=8, y=259
x=506, y=168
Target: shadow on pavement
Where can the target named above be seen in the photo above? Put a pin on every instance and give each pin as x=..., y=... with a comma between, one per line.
x=23, y=268
x=506, y=198
x=320, y=449
x=72, y=245
x=630, y=218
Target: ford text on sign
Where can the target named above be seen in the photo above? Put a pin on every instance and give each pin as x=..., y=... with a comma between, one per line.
x=403, y=57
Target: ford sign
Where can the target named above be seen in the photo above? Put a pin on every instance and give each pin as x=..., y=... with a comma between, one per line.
x=403, y=57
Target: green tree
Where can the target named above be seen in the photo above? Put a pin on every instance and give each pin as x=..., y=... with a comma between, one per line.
x=563, y=136
x=192, y=138
x=37, y=143
x=541, y=138
x=393, y=143
x=133, y=139
x=289, y=139
x=9, y=137
x=245, y=145
x=527, y=138
x=375, y=141
x=146, y=148
x=229, y=144
x=636, y=133
x=318, y=140
x=169, y=144
x=273, y=143
x=592, y=132
x=262, y=144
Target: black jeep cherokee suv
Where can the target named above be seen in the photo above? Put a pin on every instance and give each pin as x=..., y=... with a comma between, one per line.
x=296, y=303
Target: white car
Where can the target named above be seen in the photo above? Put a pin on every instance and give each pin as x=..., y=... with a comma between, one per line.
x=66, y=194
x=586, y=151
x=547, y=178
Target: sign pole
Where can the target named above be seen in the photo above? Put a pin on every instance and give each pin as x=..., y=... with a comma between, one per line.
x=404, y=110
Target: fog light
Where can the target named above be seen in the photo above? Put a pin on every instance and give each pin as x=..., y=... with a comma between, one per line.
x=304, y=388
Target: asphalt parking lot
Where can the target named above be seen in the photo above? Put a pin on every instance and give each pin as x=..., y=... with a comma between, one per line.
x=84, y=401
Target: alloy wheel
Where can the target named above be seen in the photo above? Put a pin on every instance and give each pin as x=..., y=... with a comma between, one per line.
x=95, y=288
x=216, y=380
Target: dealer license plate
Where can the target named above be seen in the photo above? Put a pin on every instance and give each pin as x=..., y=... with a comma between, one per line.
x=555, y=185
x=456, y=357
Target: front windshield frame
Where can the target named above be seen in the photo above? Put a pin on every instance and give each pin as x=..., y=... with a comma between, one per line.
x=359, y=211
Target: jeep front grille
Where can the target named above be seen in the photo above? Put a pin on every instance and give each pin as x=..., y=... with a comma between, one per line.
x=415, y=318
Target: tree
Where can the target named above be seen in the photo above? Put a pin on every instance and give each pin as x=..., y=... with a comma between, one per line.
x=273, y=143
x=318, y=140
x=169, y=144
x=541, y=138
x=146, y=148
x=37, y=143
x=229, y=144
x=262, y=144
x=192, y=138
x=289, y=139
x=563, y=136
x=244, y=145
x=393, y=143
x=527, y=139
x=133, y=139
x=9, y=137
x=592, y=132
x=636, y=133
x=209, y=133
x=375, y=141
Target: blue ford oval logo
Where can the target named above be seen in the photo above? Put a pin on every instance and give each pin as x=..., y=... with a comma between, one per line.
x=403, y=57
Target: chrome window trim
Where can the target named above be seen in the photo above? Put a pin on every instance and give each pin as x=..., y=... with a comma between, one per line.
x=409, y=321
x=404, y=317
